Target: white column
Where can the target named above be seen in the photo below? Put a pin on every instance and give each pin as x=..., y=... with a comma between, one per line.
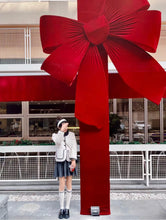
x=25, y=120
x=146, y=119
x=161, y=121
x=130, y=121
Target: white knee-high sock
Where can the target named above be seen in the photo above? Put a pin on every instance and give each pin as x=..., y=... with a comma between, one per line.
x=68, y=198
x=61, y=199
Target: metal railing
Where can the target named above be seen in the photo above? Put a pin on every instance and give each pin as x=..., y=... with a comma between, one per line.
x=144, y=163
x=21, y=46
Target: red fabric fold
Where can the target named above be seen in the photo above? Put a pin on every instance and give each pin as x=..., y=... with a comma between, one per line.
x=91, y=83
x=148, y=77
x=118, y=9
x=138, y=29
x=64, y=62
x=56, y=30
x=89, y=10
x=41, y=88
x=34, y=88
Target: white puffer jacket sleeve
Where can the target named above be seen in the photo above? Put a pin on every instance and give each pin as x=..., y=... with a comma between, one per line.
x=73, y=146
x=58, y=138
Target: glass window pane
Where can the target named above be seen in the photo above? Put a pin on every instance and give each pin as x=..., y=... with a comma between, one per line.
x=153, y=122
x=123, y=113
x=39, y=127
x=10, y=127
x=51, y=107
x=138, y=120
x=111, y=105
x=37, y=55
x=12, y=46
x=164, y=104
x=10, y=108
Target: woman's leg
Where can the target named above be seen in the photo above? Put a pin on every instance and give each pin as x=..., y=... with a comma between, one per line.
x=69, y=191
x=61, y=191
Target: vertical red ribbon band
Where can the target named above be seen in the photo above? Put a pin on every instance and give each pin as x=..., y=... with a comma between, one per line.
x=94, y=143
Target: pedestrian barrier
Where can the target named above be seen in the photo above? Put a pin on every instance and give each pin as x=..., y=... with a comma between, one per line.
x=144, y=163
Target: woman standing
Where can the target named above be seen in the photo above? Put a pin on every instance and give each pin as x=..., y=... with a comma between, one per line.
x=65, y=167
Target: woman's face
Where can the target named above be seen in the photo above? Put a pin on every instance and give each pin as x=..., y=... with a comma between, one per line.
x=64, y=126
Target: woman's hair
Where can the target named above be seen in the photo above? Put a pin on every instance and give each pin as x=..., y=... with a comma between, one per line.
x=60, y=122
x=57, y=120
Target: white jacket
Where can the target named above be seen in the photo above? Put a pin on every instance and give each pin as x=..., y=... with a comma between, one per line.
x=66, y=147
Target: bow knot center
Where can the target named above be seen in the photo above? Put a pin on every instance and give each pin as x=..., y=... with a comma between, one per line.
x=97, y=30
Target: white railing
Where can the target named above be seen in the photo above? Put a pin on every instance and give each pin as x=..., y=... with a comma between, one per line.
x=145, y=163
x=21, y=46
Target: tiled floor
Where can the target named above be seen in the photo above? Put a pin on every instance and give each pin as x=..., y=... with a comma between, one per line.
x=123, y=206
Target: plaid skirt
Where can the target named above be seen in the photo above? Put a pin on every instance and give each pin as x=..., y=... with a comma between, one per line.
x=62, y=169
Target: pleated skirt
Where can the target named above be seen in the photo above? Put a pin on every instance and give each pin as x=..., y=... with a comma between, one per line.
x=62, y=169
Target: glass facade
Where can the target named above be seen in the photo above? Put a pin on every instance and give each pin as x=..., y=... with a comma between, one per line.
x=35, y=121
x=137, y=120
x=36, y=54
x=164, y=118
x=10, y=127
x=51, y=107
x=10, y=108
x=44, y=127
x=12, y=45
x=153, y=122
x=123, y=113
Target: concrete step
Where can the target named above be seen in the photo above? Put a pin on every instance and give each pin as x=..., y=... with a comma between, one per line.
x=3, y=207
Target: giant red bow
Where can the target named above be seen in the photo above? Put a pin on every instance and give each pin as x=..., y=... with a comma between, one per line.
x=124, y=31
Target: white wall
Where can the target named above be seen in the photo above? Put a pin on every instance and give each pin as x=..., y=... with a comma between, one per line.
x=30, y=12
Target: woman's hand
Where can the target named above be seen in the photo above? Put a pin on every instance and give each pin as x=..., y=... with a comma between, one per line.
x=73, y=165
x=64, y=127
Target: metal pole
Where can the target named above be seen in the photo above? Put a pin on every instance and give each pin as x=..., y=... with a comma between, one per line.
x=27, y=47
x=146, y=119
x=38, y=166
x=147, y=167
x=29, y=35
x=130, y=121
x=161, y=121
x=25, y=120
x=25, y=44
x=115, y=106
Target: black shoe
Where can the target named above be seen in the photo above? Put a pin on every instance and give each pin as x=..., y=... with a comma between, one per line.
x=61, y=214
x=66, y=214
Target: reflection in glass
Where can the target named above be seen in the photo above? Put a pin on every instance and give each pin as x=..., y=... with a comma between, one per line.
x=37, y=54
x=51, y=107
x=153, y=122
x=138, y=120
x=12, y=46
x=10, y=108
x=111, y=106
x=39, y=127
x=119, y=123
x=164, y=112
x=10, y=127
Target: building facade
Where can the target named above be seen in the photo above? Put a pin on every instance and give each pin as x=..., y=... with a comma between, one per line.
x=139, y=120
